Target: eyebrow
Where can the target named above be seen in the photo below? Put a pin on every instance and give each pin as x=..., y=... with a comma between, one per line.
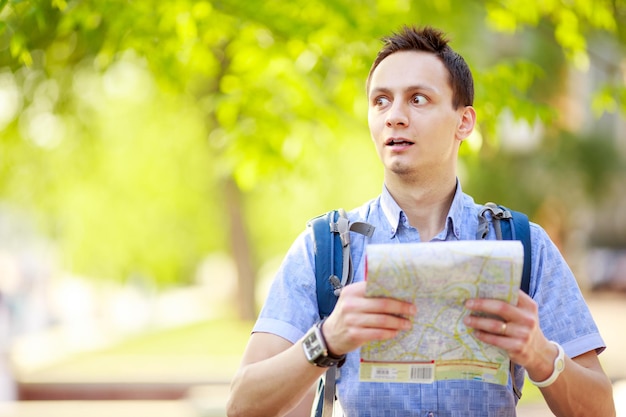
x=416, y=87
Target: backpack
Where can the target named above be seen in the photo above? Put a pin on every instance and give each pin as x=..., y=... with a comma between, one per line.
x=331, y=238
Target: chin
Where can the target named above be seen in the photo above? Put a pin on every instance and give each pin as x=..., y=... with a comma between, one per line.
x=400, y=168
x=404, y=172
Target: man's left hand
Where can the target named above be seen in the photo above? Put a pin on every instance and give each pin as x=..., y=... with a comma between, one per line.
x=514, y=328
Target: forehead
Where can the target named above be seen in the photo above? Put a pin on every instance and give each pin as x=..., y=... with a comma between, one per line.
x=409, y=68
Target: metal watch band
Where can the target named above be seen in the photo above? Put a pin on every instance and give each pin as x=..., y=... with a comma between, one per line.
x=559, y=365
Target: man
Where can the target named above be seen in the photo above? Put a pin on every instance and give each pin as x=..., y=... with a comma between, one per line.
x=420, y=95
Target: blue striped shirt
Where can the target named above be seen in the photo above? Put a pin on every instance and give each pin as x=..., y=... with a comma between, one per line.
x=291, y=309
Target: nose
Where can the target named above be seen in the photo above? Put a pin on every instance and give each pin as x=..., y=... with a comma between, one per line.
x=397, y=115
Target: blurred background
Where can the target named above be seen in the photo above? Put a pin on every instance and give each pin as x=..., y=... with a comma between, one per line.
x=158, y=158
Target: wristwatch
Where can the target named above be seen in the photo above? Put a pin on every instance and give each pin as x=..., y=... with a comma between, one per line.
x=316, y=351
x=559, y=365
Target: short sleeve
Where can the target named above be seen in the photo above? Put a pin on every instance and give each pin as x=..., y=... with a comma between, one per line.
x=291, y=305
x=563, y=313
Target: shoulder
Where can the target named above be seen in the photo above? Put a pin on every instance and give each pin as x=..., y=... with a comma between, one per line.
x=541, y=241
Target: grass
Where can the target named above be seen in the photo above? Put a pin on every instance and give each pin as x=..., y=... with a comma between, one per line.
x=210, y=338
x=204, y=351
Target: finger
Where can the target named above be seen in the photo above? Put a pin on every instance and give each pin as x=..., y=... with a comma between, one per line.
x=525, y=302
x=357, y=288
x=373, y=317
x=489, y=325
x=369, y=334
x=493, y=308
x=353, y=298
x=355, y=328
x=381, y=304
x=502, y=331
x=387, y=321
x=393, y=307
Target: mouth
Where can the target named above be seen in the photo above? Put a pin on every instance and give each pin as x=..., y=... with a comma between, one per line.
x=398, y=142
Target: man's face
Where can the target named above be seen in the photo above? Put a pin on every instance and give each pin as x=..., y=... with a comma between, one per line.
x=416, y=130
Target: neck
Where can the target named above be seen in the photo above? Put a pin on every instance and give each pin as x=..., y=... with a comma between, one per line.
x=426, y=204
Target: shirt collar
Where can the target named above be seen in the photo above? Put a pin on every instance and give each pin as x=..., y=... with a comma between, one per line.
x=391, y=210
x=393, y=213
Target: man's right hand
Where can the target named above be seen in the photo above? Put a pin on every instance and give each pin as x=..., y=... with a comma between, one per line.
x=358, y=319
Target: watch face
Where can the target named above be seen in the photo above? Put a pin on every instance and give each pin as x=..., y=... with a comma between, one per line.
x=312, y=345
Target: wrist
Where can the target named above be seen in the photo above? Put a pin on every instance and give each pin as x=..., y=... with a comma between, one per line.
x=316, y=350
x=331, y=352
x=558, y=366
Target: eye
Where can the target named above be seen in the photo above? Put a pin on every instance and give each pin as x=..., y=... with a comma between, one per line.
x=419, y=99
x=381, y=101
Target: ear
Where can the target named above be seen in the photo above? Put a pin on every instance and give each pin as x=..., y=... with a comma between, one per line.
x=466, y=123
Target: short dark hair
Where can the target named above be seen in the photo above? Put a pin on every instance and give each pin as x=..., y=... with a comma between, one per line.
x=428, y=39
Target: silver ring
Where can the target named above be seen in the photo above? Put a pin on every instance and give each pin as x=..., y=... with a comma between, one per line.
x=503, y=329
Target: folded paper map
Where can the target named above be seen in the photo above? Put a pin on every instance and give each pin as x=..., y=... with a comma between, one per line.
x=438, y=277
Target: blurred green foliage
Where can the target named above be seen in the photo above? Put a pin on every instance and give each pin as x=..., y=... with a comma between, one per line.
x=126, y=124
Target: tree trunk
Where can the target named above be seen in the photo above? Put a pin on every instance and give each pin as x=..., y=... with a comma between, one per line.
x=241, y=251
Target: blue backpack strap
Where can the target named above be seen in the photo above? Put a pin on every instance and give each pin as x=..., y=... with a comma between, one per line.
x=327, y=250
x=509, y=225
x=328, y=259
x=333, y=260
x=520, y=231
x=333, y=270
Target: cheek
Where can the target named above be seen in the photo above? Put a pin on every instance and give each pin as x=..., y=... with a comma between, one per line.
x=374, y=123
